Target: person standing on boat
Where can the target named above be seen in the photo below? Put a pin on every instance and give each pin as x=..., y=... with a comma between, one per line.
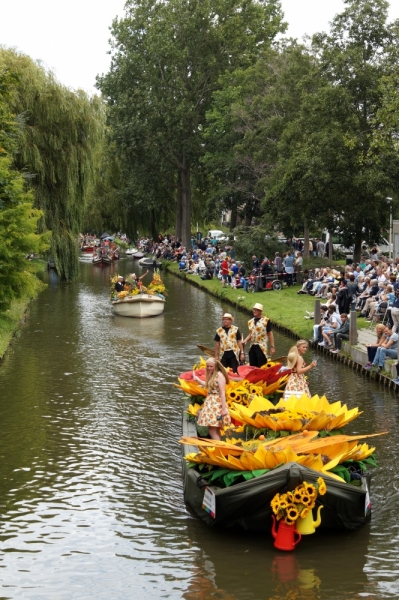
x=119, y=285
x=136, y=281
x=228, y=342
x=297, y=384
x=214, y=413
x=260, y=334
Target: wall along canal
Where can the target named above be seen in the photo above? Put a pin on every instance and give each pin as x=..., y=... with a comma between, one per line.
x=91, y=488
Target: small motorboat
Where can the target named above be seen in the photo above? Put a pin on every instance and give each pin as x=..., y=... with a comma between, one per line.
x=150, y=262
x=138, y=254
x=140, y=306
x=102, y=259
x=131, y=251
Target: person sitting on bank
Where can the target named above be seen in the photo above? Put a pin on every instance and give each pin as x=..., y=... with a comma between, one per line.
x=229, y=342
x=334, y=323
x=317, y=329
x=342, y=333
x=372, y=348
x=260, y=333
x=389, y=348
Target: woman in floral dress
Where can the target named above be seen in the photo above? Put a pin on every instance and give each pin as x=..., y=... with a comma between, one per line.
x=297, y=384
x=214, y=414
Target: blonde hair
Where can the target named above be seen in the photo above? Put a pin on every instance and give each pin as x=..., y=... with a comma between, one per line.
x=379, y=329
x=210, y=378
x=293, y=354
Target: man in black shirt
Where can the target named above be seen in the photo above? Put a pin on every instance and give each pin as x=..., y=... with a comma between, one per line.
x=228, y=342
x=119, y=285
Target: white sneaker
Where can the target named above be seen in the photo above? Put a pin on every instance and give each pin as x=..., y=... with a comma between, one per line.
x=322, y=344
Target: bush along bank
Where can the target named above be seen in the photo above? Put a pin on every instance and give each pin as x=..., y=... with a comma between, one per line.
x=12, y=318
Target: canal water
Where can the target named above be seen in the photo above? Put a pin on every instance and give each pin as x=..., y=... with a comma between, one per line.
x=90, y=486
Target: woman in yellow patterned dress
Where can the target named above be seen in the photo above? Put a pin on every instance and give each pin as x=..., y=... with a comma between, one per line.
x=297, y=384
x=214, y=414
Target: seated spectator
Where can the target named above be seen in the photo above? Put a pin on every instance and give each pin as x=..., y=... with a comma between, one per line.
x=342, y=333
x=388, y=348
x=369, y=297
x=381, y=302
x=372, y=348
x=334, y=322
x=317, y=329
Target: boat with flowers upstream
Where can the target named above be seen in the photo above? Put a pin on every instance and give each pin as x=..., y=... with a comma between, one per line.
x=274, y=449
x=138, y=301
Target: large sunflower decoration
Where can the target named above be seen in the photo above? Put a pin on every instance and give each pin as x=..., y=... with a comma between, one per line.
x=298, y=503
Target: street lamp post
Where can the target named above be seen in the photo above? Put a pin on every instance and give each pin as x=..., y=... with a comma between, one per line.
x=390, y=226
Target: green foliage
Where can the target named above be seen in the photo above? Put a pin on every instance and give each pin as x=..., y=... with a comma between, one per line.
x=167, y=61
x=256, y=241
x=58, y=143
x=18, y=233
x=18, y=219
x=325, y=167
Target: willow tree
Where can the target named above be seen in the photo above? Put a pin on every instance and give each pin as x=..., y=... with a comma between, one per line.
x=60, y=136
x=167, y=61
x=18, y=218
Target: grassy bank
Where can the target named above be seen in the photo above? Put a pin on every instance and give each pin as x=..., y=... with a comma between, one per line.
x=285, y=308
x=11, y=319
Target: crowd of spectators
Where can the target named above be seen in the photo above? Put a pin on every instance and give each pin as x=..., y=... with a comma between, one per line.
x=370, y=287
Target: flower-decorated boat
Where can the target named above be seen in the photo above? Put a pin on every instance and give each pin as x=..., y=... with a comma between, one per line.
x=272, y=450
x=138, y=301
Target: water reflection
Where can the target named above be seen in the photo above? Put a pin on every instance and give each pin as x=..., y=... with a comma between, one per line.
x=91, y=488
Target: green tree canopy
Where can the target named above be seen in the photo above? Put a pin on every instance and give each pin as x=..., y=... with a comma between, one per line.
x=167, y=61
x=58, y=144
x=326, y=171
x=18, y=219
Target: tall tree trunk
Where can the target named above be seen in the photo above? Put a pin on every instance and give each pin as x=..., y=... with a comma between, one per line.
x=154, y=232
x=186, y=204
x=306, y=242
x=233, y=219
x=330, y=248
x=179, y=207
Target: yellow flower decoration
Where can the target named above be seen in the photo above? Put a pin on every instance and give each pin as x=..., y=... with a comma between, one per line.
x=306, y=499
x=292, y=512
x=305, y=511
x=275, y=504
x=322, y=486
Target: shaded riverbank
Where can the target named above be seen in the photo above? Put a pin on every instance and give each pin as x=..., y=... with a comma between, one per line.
x=12, y=319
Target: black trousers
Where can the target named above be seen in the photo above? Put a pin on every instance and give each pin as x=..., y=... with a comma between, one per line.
x=230, y=361
x=256, y=356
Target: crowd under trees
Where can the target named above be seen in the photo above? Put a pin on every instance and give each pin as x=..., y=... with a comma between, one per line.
x=206, y=108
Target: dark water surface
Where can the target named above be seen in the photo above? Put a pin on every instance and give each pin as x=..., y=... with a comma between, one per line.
x=91, y=492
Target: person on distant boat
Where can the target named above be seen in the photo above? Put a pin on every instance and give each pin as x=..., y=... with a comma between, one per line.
x=119, y=285
x=297, y=384
x=136, y=281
